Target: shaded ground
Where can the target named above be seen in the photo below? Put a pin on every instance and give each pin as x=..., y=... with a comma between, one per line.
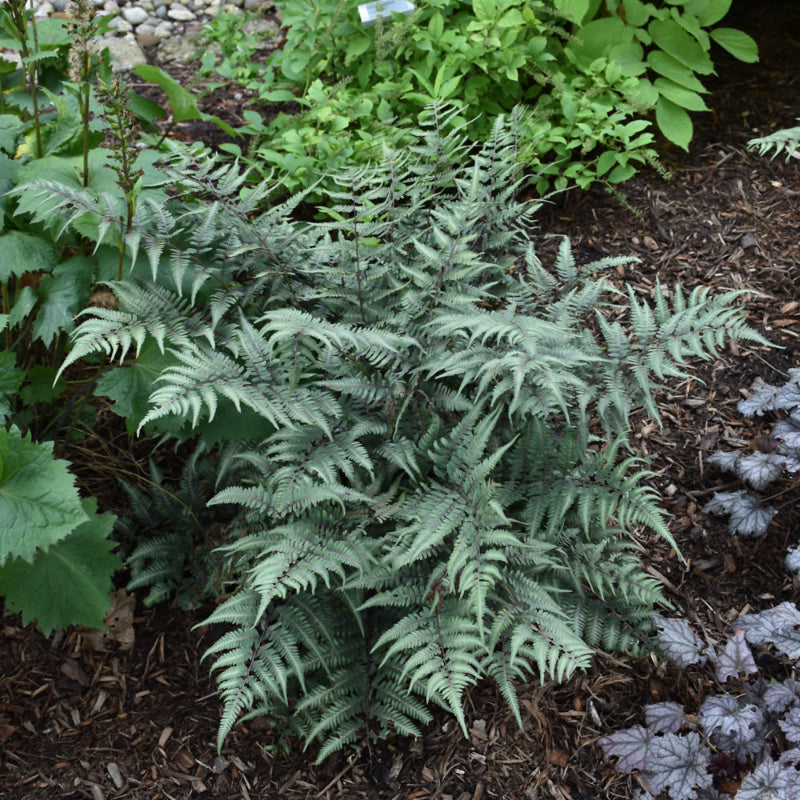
x=141, y=724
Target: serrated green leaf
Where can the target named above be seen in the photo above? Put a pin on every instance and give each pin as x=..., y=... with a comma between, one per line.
x=70, y=583
x=485, y=10
x=11, y=379
x=39, y=504
x=130, y=386
x=62, y=294
x=42, y=385
x=24, y=252
x=737, y=43
x=674, y=123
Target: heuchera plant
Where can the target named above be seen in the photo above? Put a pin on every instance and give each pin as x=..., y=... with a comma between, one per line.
x=778, y=453
x=743, y=742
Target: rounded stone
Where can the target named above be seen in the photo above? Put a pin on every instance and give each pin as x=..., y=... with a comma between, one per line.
x=135, y=15
x=163, y=30
x=120, y=25
x=179, y=12
x=145, y=29
x=146, y=40
x=59, y=5
x=161, y=11
x=111, y=7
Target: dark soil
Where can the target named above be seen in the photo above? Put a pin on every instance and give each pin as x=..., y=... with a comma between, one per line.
x=140, y=724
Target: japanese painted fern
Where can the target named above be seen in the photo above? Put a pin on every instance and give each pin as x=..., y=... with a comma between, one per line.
x=442, y=488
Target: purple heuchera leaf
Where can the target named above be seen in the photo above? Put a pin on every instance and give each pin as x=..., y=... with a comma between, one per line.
x=762, y=398
x=788, y=396
x=735, y=660
x=777, y=625
x=664, y=717
x=631, y=746
x=788, y=431
x=790, y=725
x=766, y=782
x=726, y=716
x=747, y=517
x=780, y=696
x=677, y=763
x=725, y=461
x=678, y=642
x=790, y=757
x=759, y=469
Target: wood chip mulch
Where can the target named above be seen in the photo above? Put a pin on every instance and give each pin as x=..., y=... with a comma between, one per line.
x=133, y=716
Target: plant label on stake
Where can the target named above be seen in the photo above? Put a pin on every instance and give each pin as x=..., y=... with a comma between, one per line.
x=370, y=12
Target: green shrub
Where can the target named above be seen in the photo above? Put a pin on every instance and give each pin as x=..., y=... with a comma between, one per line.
x=439, y=489
x=593, y=71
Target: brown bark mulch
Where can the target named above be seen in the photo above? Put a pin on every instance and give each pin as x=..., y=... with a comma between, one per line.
x=86, y=719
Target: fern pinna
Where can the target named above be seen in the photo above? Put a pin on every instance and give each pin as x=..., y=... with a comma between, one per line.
x=440, y=489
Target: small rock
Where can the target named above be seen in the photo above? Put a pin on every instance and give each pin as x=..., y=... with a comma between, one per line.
x=163, y=30
x=650, y=243
x=147, y=39
x=135, y=15
x=119, y=25
x=179, y=12
x=125, y=53
x=59, y=5
x=161, y=11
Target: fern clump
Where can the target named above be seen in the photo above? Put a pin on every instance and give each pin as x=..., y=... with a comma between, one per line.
x=440, y=487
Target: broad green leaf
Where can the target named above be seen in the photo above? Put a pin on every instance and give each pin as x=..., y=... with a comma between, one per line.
x=436, y=25
x=182, y=102
x=630, y=57
x=62, y=294
x=672, y=39
x=485, y=10
x=737, y=43
x=636, y=12
x=574, y=9
x=714, y=11
x=11, y=126
x=130, y=386
x=680, y=96
x=674, y=123
x=11, y=379
x=671, y=68
x=595, y=39
x=24, y=303
x=42, y=385
x=69, y=584
x=24, y=252
x=39, y=504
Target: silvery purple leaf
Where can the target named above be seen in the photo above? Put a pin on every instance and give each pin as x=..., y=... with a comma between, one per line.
x=790, y=757
x=788, y=396
x=747, y=517
x=759, y=469
x=664, y=717
x=735, y=660
x=725, y=715
x=641, y=794
x=761, y=399
x=677, y=763
x=793, y=561
x=725, y=461
x=788, y=431
x=766, y=782
x=790, y=725
x=780, y=696
x=678, y=642
x=631, y=747
x=787, y=642
x=760, y=629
